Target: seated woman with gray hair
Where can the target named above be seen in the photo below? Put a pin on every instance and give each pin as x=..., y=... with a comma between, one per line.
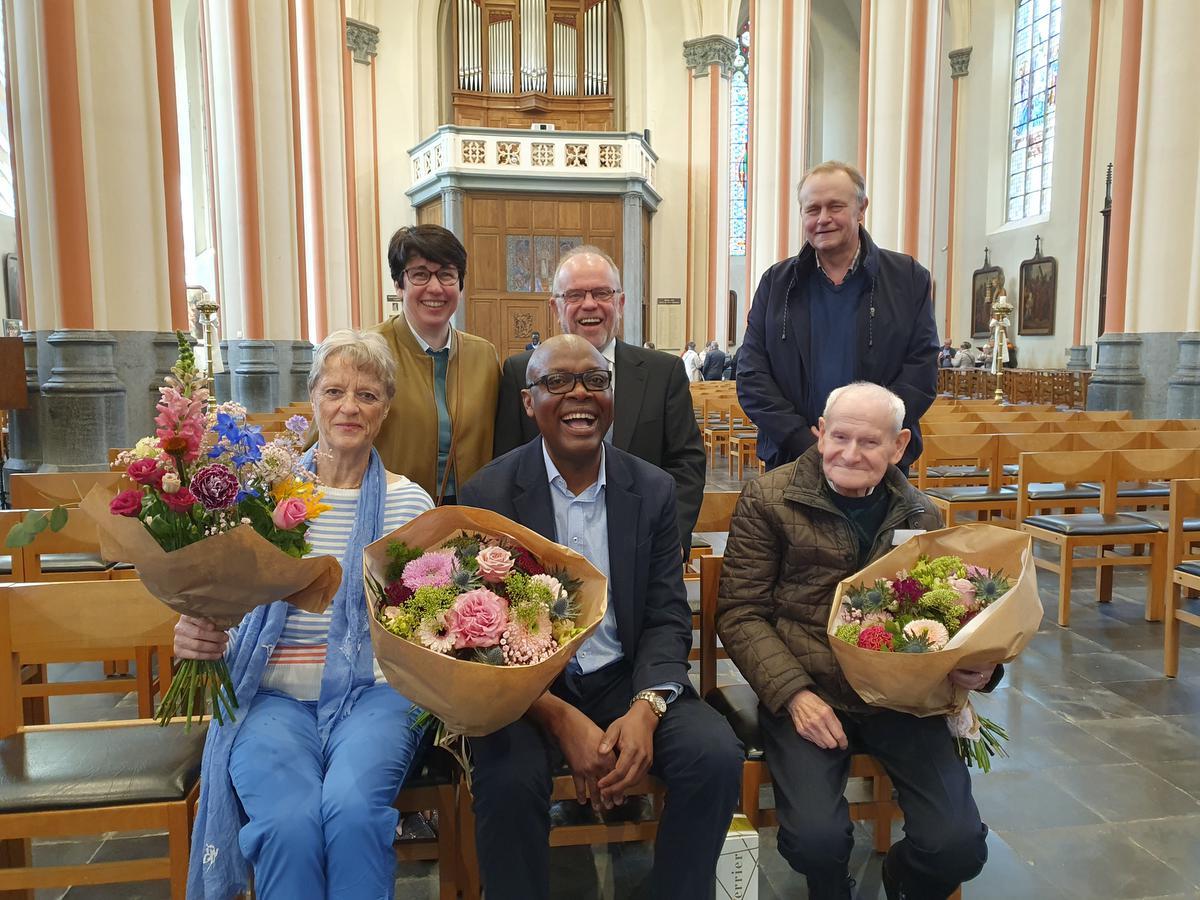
x=300, y=787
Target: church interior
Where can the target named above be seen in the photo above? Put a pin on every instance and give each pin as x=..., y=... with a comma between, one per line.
x=235, y=169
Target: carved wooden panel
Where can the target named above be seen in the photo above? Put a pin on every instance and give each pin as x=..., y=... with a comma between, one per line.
x=430, y=213
x=534, y=230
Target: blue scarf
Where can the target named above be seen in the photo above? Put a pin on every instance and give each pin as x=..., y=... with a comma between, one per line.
x=218, y=870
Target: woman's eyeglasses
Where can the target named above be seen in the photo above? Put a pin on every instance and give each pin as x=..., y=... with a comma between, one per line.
x=419, y=276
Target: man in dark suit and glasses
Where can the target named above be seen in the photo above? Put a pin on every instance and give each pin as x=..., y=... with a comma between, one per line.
x=624, y=706
x=653, y=416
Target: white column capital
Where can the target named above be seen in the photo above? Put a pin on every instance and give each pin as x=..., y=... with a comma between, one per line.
x=714, y=49
x=363, y=41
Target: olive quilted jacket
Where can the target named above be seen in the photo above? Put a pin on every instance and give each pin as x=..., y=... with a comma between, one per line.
x=789, y=546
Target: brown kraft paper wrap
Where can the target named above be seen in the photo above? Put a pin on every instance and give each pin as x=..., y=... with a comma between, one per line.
x=473, y=698
x=220, y=578
x=917, y=683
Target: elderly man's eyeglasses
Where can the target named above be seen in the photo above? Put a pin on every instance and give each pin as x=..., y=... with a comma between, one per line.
x=564, y=382
x=600, y=295
x=419, y=276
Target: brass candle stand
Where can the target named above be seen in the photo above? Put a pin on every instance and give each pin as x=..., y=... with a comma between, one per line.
x=208, y=309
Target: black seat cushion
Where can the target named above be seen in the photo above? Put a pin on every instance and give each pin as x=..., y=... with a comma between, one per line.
x=1162, y=519
x=739, y=705
x=1093, y=524
x=968, y=493
x=1189, y=568
x=1056, y=490
x=1136, y=488
x=72, y=562
x=79, y=768
x=437, y=767
x=956, y=472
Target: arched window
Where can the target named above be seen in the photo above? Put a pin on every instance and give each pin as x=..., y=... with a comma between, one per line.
x=739, y=142
x=1035, y=81
x=523, y=61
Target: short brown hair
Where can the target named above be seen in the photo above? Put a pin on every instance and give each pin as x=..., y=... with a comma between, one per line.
x=432, y=242
x=832, y=166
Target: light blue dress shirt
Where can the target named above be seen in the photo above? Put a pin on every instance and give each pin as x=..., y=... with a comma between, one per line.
x=581, y=523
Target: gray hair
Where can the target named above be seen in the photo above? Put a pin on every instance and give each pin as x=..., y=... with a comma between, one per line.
x=586, y=250
x=870, y=392
x=832, y=166
x=367, y=351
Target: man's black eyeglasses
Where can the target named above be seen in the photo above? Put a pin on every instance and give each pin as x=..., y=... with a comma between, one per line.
x=564, y=382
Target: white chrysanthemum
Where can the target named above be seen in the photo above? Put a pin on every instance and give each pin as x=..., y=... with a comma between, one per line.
x=550, y=582
x=276, y=463
x=935, y=633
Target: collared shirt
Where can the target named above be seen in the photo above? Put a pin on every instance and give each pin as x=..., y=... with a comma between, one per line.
x=609, y=352
x=441, y=368
x=581, y=523
x=853, y=264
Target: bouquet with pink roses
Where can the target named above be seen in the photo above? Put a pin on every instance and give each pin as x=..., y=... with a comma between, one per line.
x=473, y=616
x=215, y=525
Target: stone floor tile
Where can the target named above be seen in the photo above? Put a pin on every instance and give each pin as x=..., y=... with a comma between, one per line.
x=1174, y=841
x=1081, y=704
x=1162, y=696
x=1183, y=773
x=1107, y=666
x=1012, y=800
x=1146, y=739
x=1125, y=793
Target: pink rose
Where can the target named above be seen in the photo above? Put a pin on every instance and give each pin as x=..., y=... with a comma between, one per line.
x=494, y=563
x=180, y=501
x=289, y=513
x=967, y=591
x=145, y=471
x=126, y=503
x=477, y=619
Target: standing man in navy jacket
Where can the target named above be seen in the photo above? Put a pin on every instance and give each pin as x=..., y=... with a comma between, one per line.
x=842, y=310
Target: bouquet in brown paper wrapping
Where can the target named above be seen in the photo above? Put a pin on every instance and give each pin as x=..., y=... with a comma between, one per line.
x=961, y=597
x=473, y=615
x=215, y=524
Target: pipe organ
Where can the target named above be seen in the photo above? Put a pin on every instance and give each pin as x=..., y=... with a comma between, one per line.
x=525, y=61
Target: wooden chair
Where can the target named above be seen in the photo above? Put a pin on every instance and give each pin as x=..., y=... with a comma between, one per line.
x=716, y=508
x=739, y=704
x=92, y=778
x=150, y=638
x=435, y=787
x=1183, y=560
x=1106, y=528
x=71, y=554
x=37, y=490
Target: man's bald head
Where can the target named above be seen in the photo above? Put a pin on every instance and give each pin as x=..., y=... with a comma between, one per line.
x=864, y=398
x=562, y=346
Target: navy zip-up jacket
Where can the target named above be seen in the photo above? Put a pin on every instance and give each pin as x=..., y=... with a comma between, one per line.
x=897, y=347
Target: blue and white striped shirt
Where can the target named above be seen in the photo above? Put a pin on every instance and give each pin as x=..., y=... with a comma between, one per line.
x=298, y=661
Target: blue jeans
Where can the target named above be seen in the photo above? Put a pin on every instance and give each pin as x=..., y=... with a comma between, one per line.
x=321, y=822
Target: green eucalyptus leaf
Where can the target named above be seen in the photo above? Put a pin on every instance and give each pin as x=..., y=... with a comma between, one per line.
x=36, y=522
x=58, y=518
x=18, y=536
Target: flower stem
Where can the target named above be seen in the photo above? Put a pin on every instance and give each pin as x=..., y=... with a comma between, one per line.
x=199, y=683
x=979, y=752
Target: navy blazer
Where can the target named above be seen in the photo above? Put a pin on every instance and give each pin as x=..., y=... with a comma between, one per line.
x=654, y=622
x=653, y=420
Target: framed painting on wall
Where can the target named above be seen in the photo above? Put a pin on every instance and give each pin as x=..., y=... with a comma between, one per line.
x=1037, y=292
x=983, y=285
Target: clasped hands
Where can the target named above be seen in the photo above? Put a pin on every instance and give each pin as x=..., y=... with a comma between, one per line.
x=605, y=764
x=815, y=720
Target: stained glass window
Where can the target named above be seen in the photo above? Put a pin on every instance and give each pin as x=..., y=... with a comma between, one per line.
x=739, y=142
x=1035, y=84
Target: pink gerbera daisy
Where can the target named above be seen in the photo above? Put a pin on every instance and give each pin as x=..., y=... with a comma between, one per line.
x=432, y=569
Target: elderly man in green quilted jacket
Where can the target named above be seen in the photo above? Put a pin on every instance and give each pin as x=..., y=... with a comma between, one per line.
x=797, y=532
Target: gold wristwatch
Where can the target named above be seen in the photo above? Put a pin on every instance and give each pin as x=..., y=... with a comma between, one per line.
x=655, y=699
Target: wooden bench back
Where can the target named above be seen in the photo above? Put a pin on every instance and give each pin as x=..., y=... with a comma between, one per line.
x=958, y=449
x=79, y=535
x=1071, y=467
x=716, y=509
x=1185, y=504
x=1168, y=439
x=69, y=621
x=1111, y=440
x=36, y=490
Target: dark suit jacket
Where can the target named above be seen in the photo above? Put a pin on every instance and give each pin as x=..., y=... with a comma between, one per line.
x=654, y=420
x=654, y=622
x=714, y=364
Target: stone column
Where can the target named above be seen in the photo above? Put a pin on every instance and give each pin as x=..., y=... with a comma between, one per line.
x=24, y=432
x=960, y=64
x=366, y=253
x=1118, y=382
x=1183, y=390
x=454, y=220
x=1079, y=357
x=255, y=381
x=302, y=357
x=710, y=60
x=632, y=267
x=83, y=402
